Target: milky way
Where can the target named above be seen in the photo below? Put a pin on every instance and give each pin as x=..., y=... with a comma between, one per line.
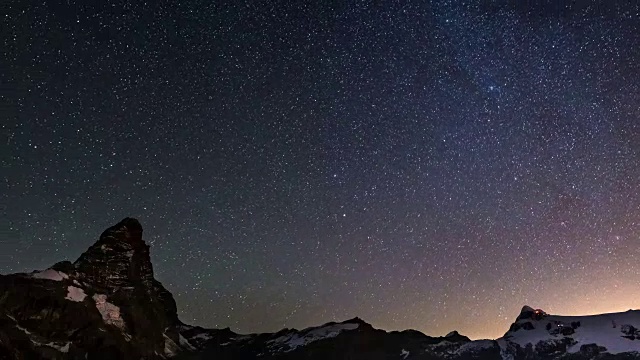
x=427, y=165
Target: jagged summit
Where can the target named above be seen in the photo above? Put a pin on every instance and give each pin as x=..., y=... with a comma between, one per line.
x=106, y=302
x=526, y=309
x=127, y=229
x=455, y=336
x=528, y=312
x=356, y=320
x=119, y=259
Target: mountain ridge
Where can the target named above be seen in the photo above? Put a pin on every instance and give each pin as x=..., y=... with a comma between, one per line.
x=107, y=304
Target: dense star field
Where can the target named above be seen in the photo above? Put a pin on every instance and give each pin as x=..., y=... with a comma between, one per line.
x=429, y=165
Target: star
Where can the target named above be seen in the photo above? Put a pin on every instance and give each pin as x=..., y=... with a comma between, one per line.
x=487, y=157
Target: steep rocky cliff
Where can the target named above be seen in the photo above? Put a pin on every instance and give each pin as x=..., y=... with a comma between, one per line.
x=106, y=304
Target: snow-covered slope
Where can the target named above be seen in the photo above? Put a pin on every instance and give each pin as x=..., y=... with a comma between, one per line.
x=613, y=333
x=294, y=339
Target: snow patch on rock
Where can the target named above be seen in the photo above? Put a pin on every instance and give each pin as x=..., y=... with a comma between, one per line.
x=75, y=294
x=475, y=346
x=18, y=326
x=185, y=343
x=404, y=353
x=202, y=336
x=110, y=313
x=23, y=329
x=64, y=348
x=294, y=340
x=170, y=347
x=50, y=274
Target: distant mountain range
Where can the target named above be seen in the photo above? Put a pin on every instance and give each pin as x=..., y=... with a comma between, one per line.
x=108, y=305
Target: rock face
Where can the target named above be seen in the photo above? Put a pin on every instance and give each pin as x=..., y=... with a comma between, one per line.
x=119, y=259
x=118, y=265
x=108, y=305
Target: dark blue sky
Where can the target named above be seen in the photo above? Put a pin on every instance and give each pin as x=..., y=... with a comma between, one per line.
x=428, y=165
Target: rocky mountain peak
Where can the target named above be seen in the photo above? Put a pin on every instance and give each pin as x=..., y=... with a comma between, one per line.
x=456, y=337
x=528, y=312
x=356, y=320
x=119, y=265
x=526, y=309
x=119, y=260
x=105, y=305
x=128, y=229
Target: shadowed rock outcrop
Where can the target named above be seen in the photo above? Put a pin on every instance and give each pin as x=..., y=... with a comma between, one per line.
x=106, y=304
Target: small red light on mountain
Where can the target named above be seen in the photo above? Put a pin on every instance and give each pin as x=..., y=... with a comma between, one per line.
x=538, y=314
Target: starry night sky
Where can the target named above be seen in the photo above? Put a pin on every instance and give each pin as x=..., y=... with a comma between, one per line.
x=431, y=165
